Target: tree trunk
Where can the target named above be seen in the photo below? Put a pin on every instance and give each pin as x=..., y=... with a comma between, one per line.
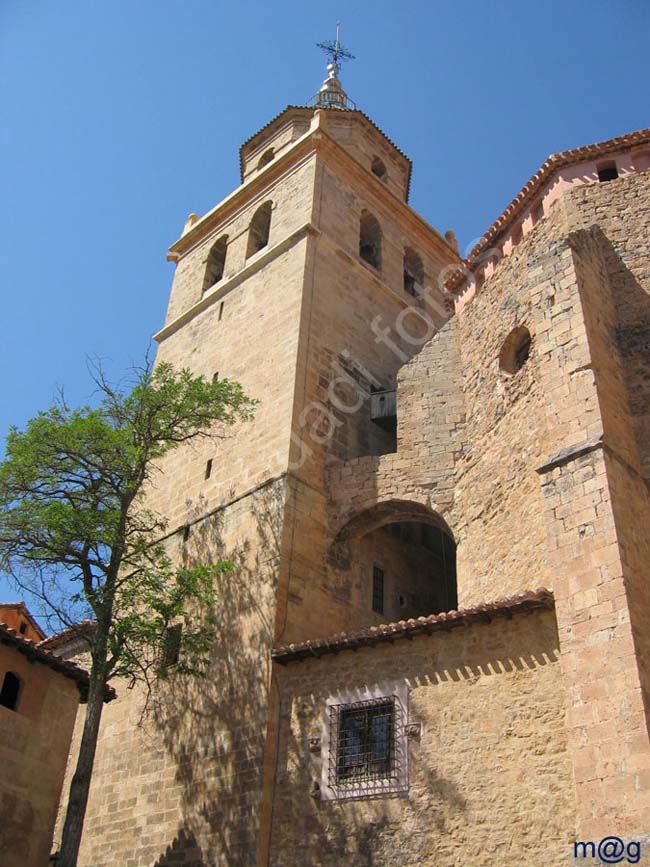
x=80, y=786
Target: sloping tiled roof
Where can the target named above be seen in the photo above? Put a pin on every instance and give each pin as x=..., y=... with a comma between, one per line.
x=77, y=630
x=532, y=187
x=35, y=653
x=524, y=602
x=24, y=610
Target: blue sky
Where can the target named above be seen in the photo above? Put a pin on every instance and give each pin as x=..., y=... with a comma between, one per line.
x=120, y=118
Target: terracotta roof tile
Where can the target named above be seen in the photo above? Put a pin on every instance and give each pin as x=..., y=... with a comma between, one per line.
x=35, y=653
x=80, y=629
x=524, y=602
x=24, y=610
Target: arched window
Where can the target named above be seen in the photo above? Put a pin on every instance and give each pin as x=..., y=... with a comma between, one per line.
x=370, y=239
x=413, y=273
x=10, y=691
x=258, y=233
x=216, y=263
x=378, y=168
x=266, y=158
x=515, y=350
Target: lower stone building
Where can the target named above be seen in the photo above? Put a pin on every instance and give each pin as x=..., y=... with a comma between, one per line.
x=39, y=697
x=439, y=741
x=434, y=647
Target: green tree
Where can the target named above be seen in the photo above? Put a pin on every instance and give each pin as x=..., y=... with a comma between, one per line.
x=75, y=532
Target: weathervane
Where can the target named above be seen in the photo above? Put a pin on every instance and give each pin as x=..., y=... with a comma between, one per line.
x=331, y=94
x=335, y=49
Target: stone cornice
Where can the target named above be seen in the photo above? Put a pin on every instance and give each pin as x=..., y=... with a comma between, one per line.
x=258, y=261
x=267, y=255
x=571, y=453
x=240, y=198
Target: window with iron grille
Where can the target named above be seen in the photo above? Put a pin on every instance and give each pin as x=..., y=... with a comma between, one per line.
x=365, y=741
x=366, y=754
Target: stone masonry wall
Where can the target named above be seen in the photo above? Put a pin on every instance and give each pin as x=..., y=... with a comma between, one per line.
x=362, y=142
x=291, y=195
x=572, y=416
x=183, y=784
x=252, y=339
x=498, y=507
x=596, y=507
x=620, y=210
x=430, y=438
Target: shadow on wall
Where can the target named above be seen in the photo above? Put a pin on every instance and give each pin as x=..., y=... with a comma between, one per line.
x=632, y=304
x=214, y=728
x=454, y=773
x=184, y=850
x=631, y=500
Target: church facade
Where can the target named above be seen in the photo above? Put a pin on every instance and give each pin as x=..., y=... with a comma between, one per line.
x=435, y=645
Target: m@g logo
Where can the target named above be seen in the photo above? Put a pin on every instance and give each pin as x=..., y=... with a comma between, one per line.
x=610, y=850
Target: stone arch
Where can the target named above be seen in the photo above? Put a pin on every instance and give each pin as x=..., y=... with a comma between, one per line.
x=515, y=350
x=413, y=272
x=216, y=262
x=378, y=167
x=259, y=229
x=388, y=512
x=398, y=560
x=267, y=157
x=370, y=239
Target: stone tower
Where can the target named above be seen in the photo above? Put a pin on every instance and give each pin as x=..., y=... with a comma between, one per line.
x=436, y=519
x=285, y=286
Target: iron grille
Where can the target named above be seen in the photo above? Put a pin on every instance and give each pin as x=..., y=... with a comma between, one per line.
x=367, y=752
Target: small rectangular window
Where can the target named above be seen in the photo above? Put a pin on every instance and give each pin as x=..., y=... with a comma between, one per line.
x=215, y=376
x=378, y=590
x=208, y=469
x=221, y=310
x=186, y=533
x=607, y=172
x=23, y=628
x=172, y=645
x=10, y=692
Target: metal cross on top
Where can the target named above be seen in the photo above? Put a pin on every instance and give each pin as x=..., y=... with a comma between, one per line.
x=335, y=50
